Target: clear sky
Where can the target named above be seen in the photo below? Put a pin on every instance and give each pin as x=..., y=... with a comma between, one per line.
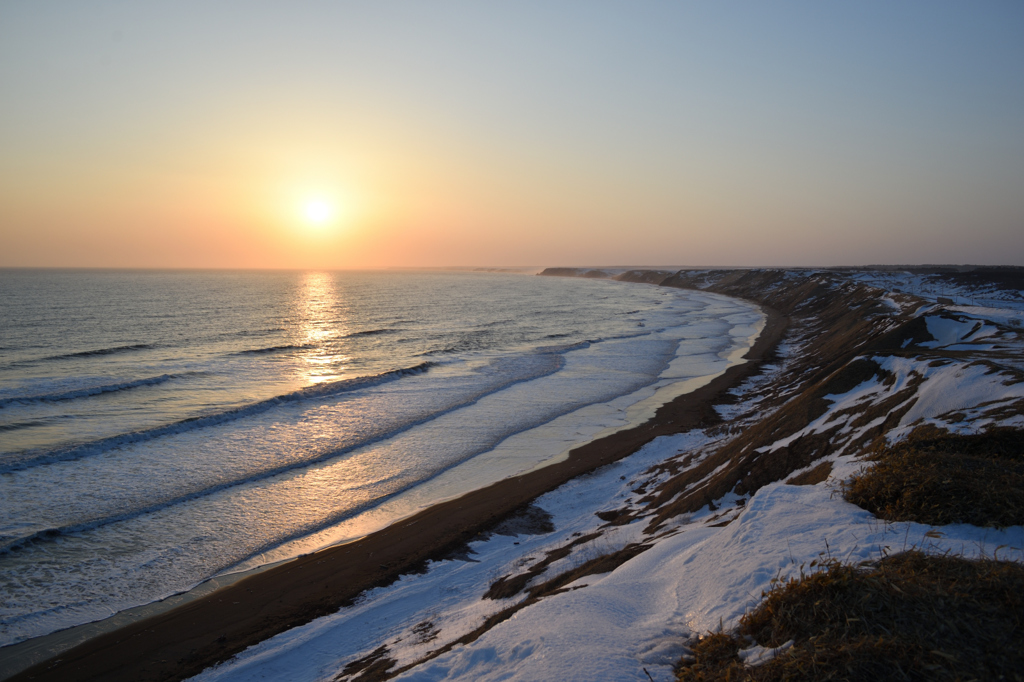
x=423, y=133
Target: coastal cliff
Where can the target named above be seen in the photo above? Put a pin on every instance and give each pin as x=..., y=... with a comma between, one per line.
x=613, y=564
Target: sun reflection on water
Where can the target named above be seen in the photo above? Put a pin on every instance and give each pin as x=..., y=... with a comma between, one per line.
x=323, y=319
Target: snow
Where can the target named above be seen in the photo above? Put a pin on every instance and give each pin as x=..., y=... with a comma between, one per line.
x=955, y=396
x=891, y=303
x=950, y=389
x=1004, y=316
x=948, y=331
x=640, y=615
x=930, y=288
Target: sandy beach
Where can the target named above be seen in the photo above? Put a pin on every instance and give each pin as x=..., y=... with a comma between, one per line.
x=182, y=642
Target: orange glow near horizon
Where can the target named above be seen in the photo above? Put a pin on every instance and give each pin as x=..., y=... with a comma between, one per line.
x=372, y=135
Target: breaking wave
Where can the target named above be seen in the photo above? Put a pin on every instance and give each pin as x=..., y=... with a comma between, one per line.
x=273, y=349
x=99, y=351
x=370, y=332
x=87, y=391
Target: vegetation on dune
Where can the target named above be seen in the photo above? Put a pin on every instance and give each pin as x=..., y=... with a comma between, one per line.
x=938, y=478
x=907, y=617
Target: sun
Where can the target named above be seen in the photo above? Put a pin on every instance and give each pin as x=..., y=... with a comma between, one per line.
x=318, y=211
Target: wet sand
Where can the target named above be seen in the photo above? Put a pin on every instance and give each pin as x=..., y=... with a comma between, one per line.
x=182, y=642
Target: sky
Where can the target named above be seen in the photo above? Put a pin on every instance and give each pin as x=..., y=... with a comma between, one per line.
x=430, y=134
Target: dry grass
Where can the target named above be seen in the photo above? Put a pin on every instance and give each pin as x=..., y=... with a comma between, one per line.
x=938, y=478
x=909, y=617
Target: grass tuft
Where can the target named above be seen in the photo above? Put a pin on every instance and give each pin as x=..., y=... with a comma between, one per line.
x=937, y=478
x=908, y=617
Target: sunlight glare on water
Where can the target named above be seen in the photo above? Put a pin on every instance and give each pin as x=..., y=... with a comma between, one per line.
x=323, y=321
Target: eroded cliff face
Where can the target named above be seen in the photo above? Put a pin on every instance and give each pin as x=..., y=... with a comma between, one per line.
x=832, y=322
x=857, y=366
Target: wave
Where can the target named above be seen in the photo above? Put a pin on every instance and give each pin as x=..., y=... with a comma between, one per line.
x=31, y=458
x=465, y=342
x=493, y=323
x=370, y=332
x=340, y=516
x=565, y=348
x=553, y=360
x=88, y=391
x=254, y=332
x=99, y=351
x=449, y=350
x=82, y=354
x=14, y=426
x=274, y=349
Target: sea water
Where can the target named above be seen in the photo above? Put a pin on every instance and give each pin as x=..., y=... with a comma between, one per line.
x=159, y=428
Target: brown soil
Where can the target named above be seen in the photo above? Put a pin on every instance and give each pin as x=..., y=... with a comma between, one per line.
x=813, y=476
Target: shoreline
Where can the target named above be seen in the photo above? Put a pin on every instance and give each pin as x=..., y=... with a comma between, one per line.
x=183, y=641
x=27, y=653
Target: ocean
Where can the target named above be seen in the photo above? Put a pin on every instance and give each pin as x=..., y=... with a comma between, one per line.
x=160, y=428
